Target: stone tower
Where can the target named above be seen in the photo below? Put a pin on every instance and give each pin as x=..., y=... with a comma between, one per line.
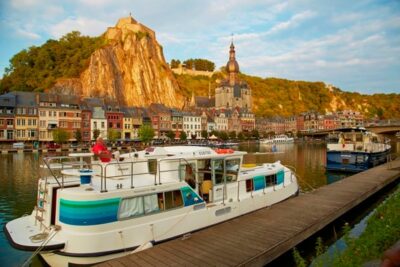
x=232, y=92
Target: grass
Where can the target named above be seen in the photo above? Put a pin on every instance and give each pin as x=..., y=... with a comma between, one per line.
x=382, y=231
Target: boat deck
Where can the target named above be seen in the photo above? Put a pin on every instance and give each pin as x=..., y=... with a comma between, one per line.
x=260, y=237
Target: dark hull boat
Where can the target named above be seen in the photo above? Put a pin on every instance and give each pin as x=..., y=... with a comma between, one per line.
x=356, y=150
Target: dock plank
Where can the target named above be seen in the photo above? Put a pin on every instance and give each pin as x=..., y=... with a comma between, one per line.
x=261, y=236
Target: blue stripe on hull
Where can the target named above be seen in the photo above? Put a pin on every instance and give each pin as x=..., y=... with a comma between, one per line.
x=354, y=161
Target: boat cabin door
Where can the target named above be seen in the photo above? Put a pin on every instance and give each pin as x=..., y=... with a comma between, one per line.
x=218, y=177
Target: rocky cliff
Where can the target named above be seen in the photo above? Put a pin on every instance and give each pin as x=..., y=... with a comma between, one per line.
x=131, y=69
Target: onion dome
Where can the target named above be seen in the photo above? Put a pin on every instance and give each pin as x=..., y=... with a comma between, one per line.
x=232, y=65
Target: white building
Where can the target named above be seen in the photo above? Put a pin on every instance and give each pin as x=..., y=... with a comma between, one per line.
x=192, y=125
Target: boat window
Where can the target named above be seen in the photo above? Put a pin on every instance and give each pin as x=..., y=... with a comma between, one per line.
x=187, y=173
x=151, y=203
x=173, y=199
x=131, y=207
x=359, y=137
x=218, y=169
x=232, y=169
x=152, y=165
x=270, y=180
x=249, y=185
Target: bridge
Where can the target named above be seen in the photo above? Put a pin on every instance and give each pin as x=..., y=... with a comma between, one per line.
x=378, y=129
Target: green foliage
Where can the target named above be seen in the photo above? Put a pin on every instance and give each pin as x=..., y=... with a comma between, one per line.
x=37, y=68
x=78, y=135
x=170, y=135
x=232, y=135
x=255, y=134
x=204, y=134
x=113, y=135
x=199, y=64
x=240, y=136
x=146, y=133
x=175, y=63
x=183, y=136
x=272, y=96
x=223, y=135
x=300, y=262
x=96, y=133
x=382, y=232
x=60, y=135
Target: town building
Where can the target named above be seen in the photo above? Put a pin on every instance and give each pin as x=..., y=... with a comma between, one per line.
x=7, y=116
x=26, y=117
x=192, y=125
x=160, y=119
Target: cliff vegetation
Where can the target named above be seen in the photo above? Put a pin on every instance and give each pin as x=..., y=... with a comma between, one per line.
x=273, y=96
x=38, y=67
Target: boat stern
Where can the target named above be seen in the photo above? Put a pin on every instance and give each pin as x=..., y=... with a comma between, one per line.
x=26, y=234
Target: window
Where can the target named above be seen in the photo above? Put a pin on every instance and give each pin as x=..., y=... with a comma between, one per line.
x=249, y=185
x=218, y=171
x=151, y=204
x=131, y=207
x=270, y=180
x=232, y=169
x=152, y=165
x=1, y=122
x=173, y=199
x=103, y=125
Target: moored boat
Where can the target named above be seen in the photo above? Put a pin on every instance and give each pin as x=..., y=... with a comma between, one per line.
x=278, y=139
x=89, y=211
x=355, y=150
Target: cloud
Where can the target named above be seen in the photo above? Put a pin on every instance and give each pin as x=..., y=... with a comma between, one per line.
x=27, y=34
x=86, y=26
x=292, y=22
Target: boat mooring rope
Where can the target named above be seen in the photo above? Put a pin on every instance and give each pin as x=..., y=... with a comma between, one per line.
x=50, y=236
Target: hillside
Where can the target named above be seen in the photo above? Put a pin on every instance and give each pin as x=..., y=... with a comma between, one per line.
x=126, y=64
x=273, y=96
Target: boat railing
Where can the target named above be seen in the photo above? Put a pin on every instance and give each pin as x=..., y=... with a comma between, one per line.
x=108, y=170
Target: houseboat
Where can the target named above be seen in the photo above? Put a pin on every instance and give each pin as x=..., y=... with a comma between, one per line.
x=355, y=150
x=278, y=139
x=89, y=211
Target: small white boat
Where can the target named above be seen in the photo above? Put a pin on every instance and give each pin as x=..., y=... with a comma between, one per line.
x=278, y=139
x=89, y=211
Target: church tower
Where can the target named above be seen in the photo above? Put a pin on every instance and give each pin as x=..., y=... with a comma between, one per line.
x=233, y=93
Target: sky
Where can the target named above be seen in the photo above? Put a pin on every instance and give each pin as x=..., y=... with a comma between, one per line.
x=354, y=45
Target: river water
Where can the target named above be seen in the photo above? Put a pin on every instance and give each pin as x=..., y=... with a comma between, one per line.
x=19, y=174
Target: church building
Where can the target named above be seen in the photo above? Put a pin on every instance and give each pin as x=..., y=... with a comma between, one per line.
x=233, y=93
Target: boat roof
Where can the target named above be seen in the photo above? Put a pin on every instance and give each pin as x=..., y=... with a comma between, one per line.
x=187, y=152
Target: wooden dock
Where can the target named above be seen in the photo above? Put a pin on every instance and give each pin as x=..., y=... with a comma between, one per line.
x=260, y=237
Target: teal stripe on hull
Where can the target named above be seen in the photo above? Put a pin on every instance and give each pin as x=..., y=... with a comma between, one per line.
x=89, y=212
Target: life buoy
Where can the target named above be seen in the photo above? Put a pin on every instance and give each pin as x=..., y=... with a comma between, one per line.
x=224, y=151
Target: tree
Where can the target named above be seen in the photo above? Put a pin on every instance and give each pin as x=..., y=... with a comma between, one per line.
x=255, y=134
x=146, y=133
x=60, y=135
x=96, y=133
x=183, y=136
x=223, y=135
x=175, y=63
x=170, y=134
x=241, y=136
x=204, y=134
x=232, y=135
x=113, y=135
x=78, y=135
